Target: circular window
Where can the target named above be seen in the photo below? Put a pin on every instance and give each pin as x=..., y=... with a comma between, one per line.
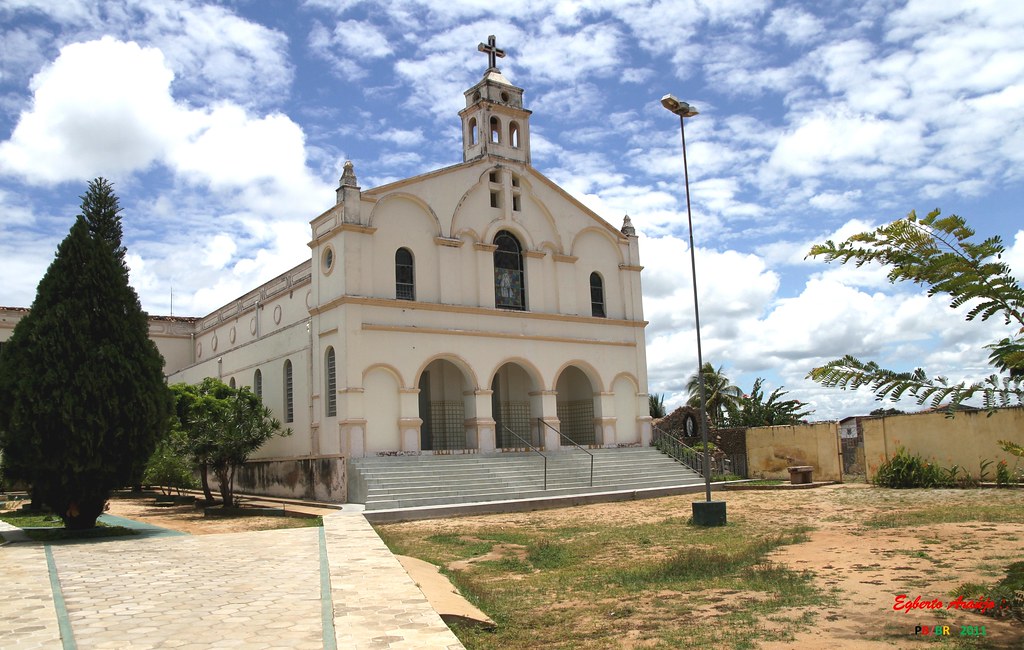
x=231, y=335
x=277, y=315
x=476, y=96
x=504, y=97
x=199, y=350
x=252, y=326
x=213, y=343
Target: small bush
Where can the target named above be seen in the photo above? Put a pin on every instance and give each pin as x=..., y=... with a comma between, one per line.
x=1002, y=474
x=906, y=471
x=1007, y=594
x=169, y=469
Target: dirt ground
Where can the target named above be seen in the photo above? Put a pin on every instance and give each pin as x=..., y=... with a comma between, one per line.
x=189, y=519
x=866, y=568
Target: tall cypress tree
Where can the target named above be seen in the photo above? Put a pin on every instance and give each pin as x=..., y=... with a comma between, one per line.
x=82, y=393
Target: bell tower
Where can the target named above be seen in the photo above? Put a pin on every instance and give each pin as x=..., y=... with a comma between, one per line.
x=494, y=122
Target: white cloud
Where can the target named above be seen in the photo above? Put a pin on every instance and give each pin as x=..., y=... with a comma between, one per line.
x=847, y=144
x=79, y=128
x=102, y=108
x=836, y=201
x=797, y=26
x=214, y=53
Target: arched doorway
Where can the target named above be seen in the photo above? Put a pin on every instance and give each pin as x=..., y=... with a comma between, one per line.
x=575, y=406
x=442, y=401
x=511, y=407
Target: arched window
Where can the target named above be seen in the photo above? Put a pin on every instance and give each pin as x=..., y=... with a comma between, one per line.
x=596, y=295
x=331, y=382
x=231, y=382
x=513, y=134
x=495, y=130
x=257, y=383
x=472, y=130
x=405, y=280
x=289, y=404
x=509, y=279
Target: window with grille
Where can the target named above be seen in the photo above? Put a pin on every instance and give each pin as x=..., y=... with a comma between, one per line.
x=332, y=384
x=257, y=383
x=289, y=404
x=405, y=284
x=596, y=295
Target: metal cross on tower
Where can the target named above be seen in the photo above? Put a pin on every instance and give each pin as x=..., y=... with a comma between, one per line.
x=493, y=53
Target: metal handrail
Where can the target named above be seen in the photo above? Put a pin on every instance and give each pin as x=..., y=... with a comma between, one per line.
x=562, y=435
x=531, y=448
x=684, y=453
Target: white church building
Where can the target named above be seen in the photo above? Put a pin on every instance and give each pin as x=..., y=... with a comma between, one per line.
x=474, y=309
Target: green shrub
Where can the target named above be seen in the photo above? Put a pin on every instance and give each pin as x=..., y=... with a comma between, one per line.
x=906, y=471
x=1007, y=594
x=168, y=468
x=1002, y=474
x=700, y=447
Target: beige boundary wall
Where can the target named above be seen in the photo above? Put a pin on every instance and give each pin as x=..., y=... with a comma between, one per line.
x=770, y=450
x=965, y=440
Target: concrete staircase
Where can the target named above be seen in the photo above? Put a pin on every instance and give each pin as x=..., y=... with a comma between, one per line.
x=396, y=482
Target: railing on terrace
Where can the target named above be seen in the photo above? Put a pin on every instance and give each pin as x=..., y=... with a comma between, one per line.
x=527, y=445
x=721, y=464
x=562, y=436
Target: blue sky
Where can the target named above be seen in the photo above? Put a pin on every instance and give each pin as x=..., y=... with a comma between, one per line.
x=224, y=127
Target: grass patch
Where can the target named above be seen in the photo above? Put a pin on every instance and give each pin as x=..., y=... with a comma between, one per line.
x=994, y=513
x=32, y=520
x=580, y=585
x=549, y=555
x=305, y=522
x=697, y=564
x=50, y=528
x=60, y=534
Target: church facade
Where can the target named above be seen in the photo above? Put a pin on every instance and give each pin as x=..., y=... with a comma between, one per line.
x=478, y=308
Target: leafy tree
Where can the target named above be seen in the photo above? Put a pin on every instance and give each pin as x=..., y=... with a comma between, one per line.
x=222, y=426
x=885, y=411
x=938, y=253
x=754, y=410
x=656, y=405
x=198, y=419
x=82, y=393
x=719, y=393
x=169, y=467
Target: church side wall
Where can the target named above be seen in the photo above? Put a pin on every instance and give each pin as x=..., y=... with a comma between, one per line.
x=261, y=332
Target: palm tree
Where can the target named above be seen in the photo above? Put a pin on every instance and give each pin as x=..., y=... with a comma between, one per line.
x=718, y=390
x=656, y=405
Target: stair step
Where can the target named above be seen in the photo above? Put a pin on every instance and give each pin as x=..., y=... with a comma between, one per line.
x=410, y=481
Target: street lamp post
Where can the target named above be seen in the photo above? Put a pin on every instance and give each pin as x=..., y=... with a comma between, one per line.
x=708, y=512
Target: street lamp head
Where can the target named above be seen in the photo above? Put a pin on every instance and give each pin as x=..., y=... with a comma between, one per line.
x=682, y=109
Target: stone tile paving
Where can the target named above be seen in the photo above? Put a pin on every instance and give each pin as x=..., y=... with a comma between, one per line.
x=27, y=615
x=249, y=590
x=376, y=603
x=246, y=590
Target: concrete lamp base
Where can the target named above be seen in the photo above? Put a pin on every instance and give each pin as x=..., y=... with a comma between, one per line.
x=709, y=513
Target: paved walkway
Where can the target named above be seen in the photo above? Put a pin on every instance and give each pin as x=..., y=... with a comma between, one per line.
x=331, y=587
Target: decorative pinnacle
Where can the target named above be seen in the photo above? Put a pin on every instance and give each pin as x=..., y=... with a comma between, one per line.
x=627, y=227
x=348, y=175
